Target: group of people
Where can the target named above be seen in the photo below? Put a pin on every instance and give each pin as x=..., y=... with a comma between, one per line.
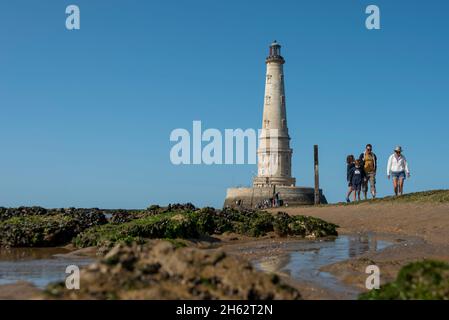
x=273, y=202
x=361, y=172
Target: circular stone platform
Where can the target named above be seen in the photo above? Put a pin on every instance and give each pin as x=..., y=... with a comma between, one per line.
x=251, y=197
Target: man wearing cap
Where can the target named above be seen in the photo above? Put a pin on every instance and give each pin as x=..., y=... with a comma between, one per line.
x=397, y=168
x=368, y=160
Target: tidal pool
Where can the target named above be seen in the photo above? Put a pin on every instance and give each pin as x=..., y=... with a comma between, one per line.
x=39, y=266
x=302, y=260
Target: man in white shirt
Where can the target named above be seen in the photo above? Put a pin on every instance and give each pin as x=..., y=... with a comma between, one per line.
x=397, y=168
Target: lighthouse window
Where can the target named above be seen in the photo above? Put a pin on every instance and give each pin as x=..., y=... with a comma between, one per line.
x=283, y=100
x=269, y=78
x=267, y=99
x=284, y=123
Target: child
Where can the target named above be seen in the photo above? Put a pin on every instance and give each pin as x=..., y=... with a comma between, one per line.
x=357, y=176
x=349, y=166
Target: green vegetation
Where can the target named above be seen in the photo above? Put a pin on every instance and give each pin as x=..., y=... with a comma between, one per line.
x=43, y=230
x=425, y=280
x=433, y=196
x=166, y=225
x=305, y=226
x=188, y=223
x=39, y=227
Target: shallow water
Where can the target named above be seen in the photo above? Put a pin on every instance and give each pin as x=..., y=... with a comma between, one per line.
x=39, y=266
x=302, y=260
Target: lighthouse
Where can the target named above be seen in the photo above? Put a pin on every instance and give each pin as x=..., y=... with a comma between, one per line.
x=274, y=164
x=274, y=153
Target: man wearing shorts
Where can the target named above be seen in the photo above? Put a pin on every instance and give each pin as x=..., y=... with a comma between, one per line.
x=369, y=164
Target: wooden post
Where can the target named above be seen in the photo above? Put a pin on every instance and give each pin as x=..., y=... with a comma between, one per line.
x=317, y=175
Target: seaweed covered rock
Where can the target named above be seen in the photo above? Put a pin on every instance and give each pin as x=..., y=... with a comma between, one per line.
x=124, y=216
x=8, y=213
x=170, y=226
x=121, y=216
x=85, y=218
x=258, y=223
x=36, y=226
x=159, y=270
x=424, y=280
x=186, y=223
x=38, y=229
x=181, y=207
x=310, y=227
x=248, y=222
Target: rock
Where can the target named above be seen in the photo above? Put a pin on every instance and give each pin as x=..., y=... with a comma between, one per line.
x=159, y=270
x=187, y=207
x=122, y=216
x=8, y=213
x=38, y=227
x=203, y=222
x=422, y=280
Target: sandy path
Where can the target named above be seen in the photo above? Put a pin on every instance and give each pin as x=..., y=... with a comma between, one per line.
x=427, y=221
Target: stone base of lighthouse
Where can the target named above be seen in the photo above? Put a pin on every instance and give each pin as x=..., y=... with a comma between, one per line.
x=251, y=197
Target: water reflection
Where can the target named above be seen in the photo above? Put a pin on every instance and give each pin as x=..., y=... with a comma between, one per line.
x=361, y=244
x=39, y=266
x=16, y=254
x=303, y=259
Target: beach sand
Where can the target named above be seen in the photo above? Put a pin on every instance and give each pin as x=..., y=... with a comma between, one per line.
x=417, y=230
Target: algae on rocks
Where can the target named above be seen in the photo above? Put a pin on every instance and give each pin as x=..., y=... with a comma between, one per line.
x=185, y=221
x=423, y=280
x=38, y=227
x=159, y=270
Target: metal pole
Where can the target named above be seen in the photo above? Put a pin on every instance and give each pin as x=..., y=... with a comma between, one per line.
x=317, y=175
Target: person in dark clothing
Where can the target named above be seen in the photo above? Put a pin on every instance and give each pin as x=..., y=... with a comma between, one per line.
x=368, y=161
x=276, y=199
x=349, y=165
x=357, y=177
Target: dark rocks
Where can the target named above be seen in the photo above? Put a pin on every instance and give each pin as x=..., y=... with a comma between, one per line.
x=7, y=213
x=86, y=218
x=122, y=216
x=187, y=207
x=158, y=270
x=310, y=227
x=38, y=227
x=187, y=224
x=168, y=225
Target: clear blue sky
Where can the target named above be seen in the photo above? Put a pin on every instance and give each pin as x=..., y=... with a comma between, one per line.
x=86, y=115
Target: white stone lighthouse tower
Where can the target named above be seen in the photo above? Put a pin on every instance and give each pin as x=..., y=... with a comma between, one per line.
x=274, y=153
x=274, y=176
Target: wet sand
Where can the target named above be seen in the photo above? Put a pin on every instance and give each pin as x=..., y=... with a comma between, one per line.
x=302, y=262
x=418, y=230
x=424, y=220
